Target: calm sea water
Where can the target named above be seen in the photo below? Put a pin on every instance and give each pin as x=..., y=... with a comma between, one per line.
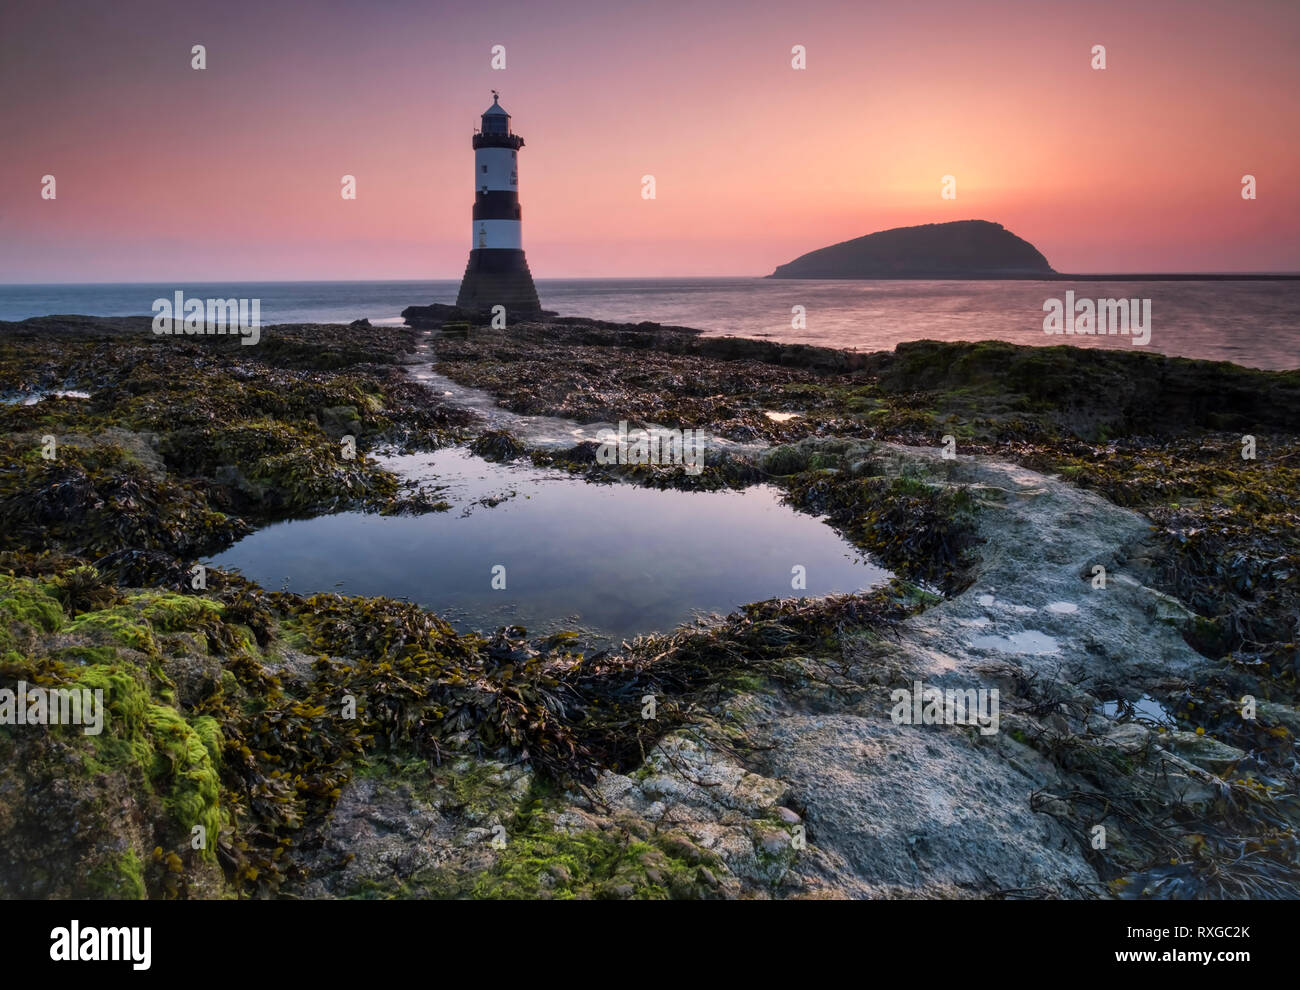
x=1250, y=323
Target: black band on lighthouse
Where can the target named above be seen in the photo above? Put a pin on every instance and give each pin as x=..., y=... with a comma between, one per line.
x=497, y=206
x=496, y=261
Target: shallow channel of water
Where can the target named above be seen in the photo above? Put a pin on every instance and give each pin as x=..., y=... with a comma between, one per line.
x=544, y=432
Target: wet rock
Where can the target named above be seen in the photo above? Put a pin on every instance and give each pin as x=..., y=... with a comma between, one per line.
x=1127, y=737
x=432, y=316
x=1189, y=790
x=771, y=841
x=1203, y=751
x=1277, y=714
x=197, y=677
x=340, y=420
x=232, y=476
x=1168, y=609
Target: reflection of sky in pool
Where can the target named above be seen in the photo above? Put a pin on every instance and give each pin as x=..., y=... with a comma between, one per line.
x=1145, y=707
x=616, y=559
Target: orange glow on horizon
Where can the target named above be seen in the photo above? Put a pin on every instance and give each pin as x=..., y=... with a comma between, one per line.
x=234, y=172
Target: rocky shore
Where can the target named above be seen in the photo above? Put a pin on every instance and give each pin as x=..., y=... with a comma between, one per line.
x=327, y=746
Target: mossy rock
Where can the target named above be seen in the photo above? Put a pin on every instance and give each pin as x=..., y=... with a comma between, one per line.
x=27, y=609
x=550, y=863
x=119, y=878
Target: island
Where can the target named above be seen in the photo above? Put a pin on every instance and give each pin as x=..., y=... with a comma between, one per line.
x=962, y=249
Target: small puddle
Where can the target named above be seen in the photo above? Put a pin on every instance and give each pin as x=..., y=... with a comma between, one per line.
x=615, y=560
x=1145, y=707
x=31, y=398
x=1029, y=641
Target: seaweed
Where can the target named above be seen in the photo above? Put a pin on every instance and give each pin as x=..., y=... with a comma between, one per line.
x=250, y=712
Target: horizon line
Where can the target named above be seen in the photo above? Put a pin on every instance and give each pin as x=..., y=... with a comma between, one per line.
x=1036, y=277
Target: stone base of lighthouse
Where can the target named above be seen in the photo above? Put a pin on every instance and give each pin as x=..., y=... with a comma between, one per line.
x=498, y=277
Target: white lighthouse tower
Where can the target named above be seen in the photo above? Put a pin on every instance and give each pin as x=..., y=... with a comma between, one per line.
x=497, y=273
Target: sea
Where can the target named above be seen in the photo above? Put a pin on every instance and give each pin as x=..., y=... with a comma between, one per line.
x=1252, y=323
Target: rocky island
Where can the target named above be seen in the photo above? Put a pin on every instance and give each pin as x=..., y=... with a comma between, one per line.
x=963, y=249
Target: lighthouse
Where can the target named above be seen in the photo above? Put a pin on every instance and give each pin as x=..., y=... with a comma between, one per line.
x=497, y=273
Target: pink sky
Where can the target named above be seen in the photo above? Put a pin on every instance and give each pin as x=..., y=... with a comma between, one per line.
x=234, y=172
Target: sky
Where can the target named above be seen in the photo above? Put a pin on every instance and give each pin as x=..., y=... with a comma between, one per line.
x=234, y=172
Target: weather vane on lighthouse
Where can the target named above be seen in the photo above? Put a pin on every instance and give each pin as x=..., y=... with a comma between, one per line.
x=497, y=273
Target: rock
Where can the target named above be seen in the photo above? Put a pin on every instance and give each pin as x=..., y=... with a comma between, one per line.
x=340, y=420
x=232, y=477
x=1198, y=795
x=679, y=846
x=1168, y=609
x=196, y=677
x=433, y=316
x=783, y=460
x=1203, y=751
x=1127, y=737
x=772, y=841
x=476, y=835
x=1274, y=714
x=1057, y=723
